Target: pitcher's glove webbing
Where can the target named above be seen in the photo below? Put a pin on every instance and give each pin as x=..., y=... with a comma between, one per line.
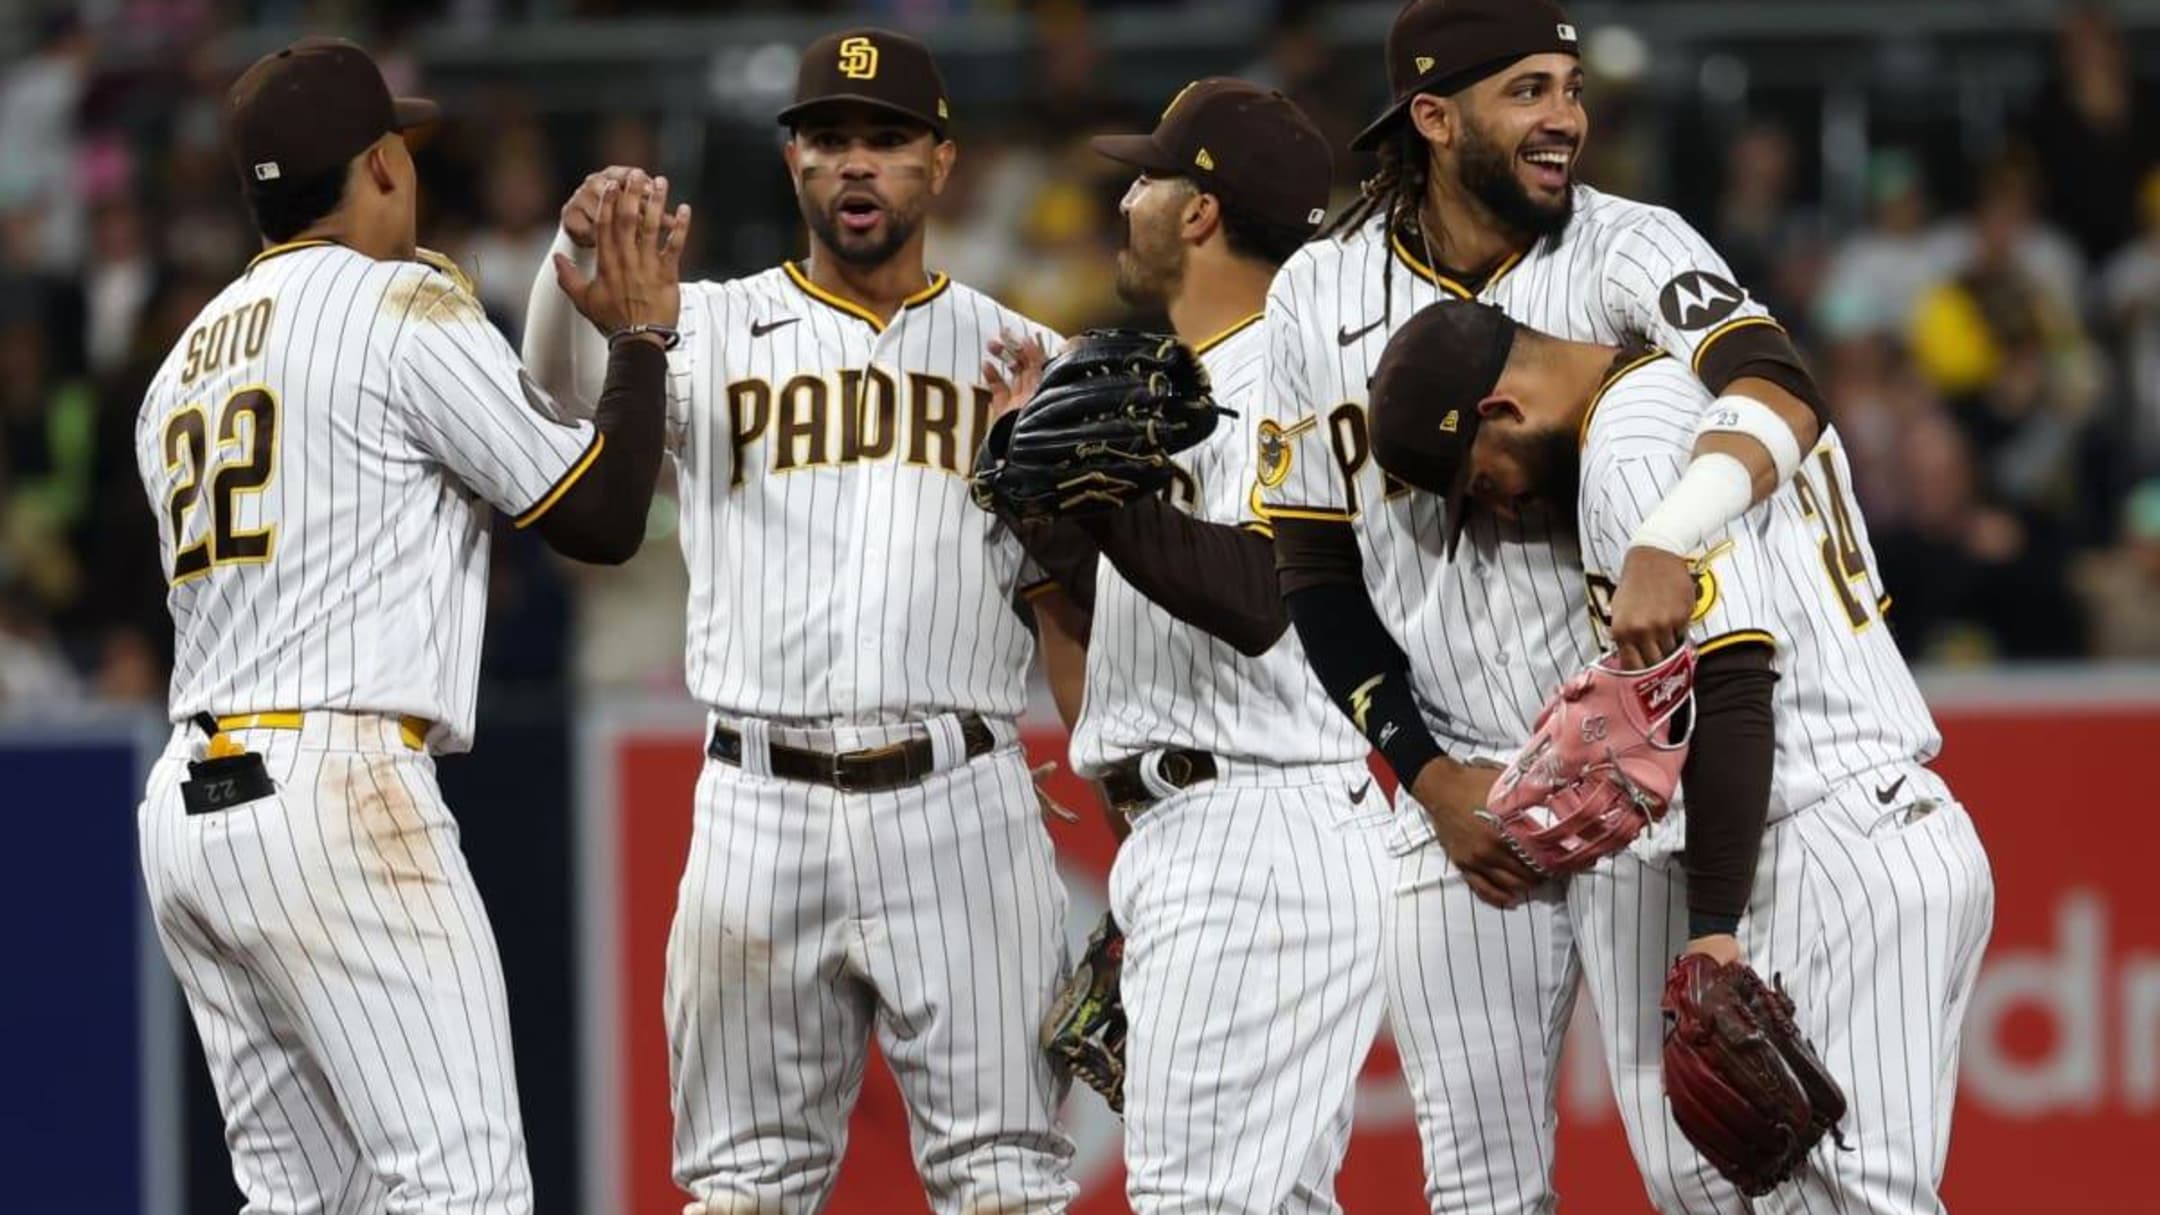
x=1084, y=1035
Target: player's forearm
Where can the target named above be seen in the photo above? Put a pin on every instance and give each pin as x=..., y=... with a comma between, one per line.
x=1067, y=554
x=1210, y=575
x=601, y=518
x=561, y=349
x=1727, y=784
x=1749, y=443
x=1797, y=416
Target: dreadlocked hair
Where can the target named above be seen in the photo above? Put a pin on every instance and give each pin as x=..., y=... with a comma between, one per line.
x=1396, y=189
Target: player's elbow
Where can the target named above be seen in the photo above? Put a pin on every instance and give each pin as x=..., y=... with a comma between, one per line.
x=1255, y=636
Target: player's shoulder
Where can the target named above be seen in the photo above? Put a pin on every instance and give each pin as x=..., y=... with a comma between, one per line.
x=1606, y=219
x=977, y=311
x=1649, y=403
x=1237, y=357
x=1316, y=265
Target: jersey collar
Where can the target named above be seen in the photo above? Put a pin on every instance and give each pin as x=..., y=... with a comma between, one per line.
x=1458, y=287
x=938, y=283
x=1203, y=347
x=287, y=247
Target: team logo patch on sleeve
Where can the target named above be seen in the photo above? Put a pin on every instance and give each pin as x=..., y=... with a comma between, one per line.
x=1274, y=454
x=1698, y=299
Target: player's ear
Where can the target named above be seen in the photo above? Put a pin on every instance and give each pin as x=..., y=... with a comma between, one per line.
x=1501, y=406
x=1436, y=118
x=1202, y=217
x=375, y=162
x=941, y=162
x=789, y=154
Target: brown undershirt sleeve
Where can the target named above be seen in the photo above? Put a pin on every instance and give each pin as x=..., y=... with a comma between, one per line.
x=601, y=518
x=1726, y=783
x=1212, y=576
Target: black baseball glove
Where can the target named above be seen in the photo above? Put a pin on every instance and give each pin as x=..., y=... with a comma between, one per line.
x=1100, y=430
x=1084, y=1035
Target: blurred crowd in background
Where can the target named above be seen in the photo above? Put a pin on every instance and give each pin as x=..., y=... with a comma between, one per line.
x=1987, y=329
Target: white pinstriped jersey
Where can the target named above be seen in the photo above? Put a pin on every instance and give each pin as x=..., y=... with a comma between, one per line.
x=1490, y=637
x=839, y=573
x=1155, y=681
x=321, y=450
x=1796, y=571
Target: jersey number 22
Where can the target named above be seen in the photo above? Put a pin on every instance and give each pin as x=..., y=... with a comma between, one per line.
x=187, y=441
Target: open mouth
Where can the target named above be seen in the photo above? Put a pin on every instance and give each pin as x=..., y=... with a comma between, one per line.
x=859, y=214
x=1549, y=166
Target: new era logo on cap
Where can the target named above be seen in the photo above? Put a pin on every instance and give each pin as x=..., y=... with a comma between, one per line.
x=1424, y=63
x=1204, y=160
x=1452, y=422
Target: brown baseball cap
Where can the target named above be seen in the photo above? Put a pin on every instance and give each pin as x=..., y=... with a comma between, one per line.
x=1250, y=146
x=875, y=67
x=1445, y=46
x=1423, y=403
x=311, y=108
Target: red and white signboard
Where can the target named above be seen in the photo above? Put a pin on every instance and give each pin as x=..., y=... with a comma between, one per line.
x=2060, y=1089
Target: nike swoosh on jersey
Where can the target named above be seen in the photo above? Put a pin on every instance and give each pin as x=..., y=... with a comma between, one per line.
x=1344, y=336
x=759, y=329
x=1887, y=792
x=1357, y=795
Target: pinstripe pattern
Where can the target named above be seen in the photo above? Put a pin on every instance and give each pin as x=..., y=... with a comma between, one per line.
x=1251, y=907
x=831, y=590
x=1475, y=992
x=401, y=417
x=1846, y=702
x=1875, y=909
x=1876, y=920
x=343, y=975
x=808, y=919
x=1154, y=681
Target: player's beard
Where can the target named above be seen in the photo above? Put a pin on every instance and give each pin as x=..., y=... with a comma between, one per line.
x=1487, y=171
x=1148, y=269
x=1551, y=461
x=864, y=251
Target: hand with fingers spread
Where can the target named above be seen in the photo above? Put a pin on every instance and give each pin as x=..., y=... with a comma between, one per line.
x=1452, y=795
x=637, y=285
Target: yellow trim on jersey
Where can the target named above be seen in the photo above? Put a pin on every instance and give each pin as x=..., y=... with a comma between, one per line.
x=1719, y=333
x=938, y=283
x=1227, y=334
x=1444, y=282
x=562, y=484
x=1320, y=513
x=1882, y=605
x=1737, y=637
x=1258, y=528
x=412, y=731
x=286, y=247
x=1582, y=434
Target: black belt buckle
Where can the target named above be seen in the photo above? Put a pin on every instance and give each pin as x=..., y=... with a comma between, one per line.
x=226, y=782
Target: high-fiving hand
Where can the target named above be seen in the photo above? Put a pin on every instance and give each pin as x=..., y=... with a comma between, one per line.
x=640, y=244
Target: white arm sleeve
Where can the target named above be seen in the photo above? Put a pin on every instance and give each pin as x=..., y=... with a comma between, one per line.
x=562, y=349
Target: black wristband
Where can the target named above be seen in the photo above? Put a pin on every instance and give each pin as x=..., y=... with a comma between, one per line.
x=1711, y=924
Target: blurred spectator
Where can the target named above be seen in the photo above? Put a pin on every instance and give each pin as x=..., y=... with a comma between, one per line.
x=1876, y=399
x=47, y=440
x=1876, y=274
x=2004, y=345
x=32, y=669
x=2121, y=586
x=1767, y=238
x=2130, y=292
x=521, y=217
x=117, y=284
x=2007, y=214
x=39, y=100
x=1969, y=581
x=2096, y=133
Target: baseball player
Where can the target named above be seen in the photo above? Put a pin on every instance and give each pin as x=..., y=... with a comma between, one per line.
x=1249, y=889
x=322, y=449
x=1444, y=661
x=867, y=855
x=1873, y=897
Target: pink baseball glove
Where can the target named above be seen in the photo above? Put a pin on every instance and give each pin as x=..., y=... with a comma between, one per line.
x=1601, y=764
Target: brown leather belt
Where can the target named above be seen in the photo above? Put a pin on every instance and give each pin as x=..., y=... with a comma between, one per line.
x=866, y=771
x=1181, y=769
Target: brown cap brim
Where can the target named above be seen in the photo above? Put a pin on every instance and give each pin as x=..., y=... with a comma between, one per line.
x=1139, y=151
x=409, y=112
x=1375, y=131
x=792, y=116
